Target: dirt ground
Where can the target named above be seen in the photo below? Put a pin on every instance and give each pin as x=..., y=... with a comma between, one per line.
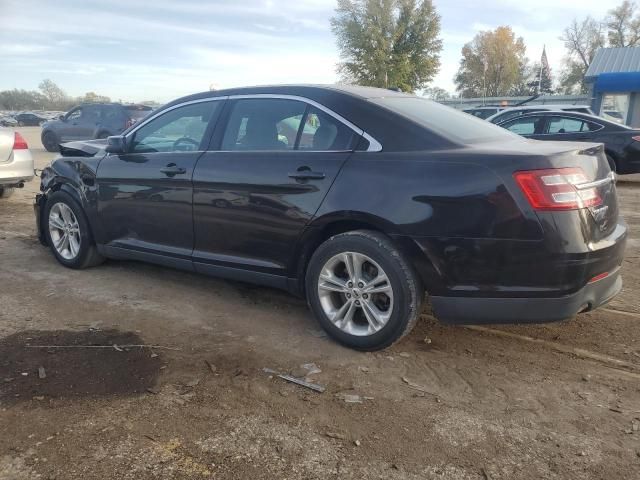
x=445, y=403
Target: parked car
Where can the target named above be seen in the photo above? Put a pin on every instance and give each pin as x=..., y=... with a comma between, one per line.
x=6, y=121
x=88, y=121
x=28, y=119
x=391, y=196
x=483, y=112
x=16, y=163
x=512, y=112
x=621, y=143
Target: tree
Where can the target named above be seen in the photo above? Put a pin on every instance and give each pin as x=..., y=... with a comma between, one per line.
x=581, y=39
x=92, y=97
x=21, y=100
x=623, y=24
x=388, y=43
x=55, y=97
x=436, y=93
x=492, y=64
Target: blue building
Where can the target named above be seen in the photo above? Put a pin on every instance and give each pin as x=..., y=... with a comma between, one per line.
x=614, y=79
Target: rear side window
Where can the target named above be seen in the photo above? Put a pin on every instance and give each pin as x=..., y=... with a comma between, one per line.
x=179, y=130
x=137, y=112
x=263, y=124
x=260, y=124
x=569, y=125
x=525, y=125
x=447, y=122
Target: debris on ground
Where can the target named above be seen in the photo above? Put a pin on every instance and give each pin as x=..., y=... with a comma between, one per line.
x=317, y=333
x=42, y=373
x=416, y=386
x=427, y=340
x=313, y=386
x=356, y=443
x=336, y=435
x=351, y=397
x=405, y=355
x=211, y=366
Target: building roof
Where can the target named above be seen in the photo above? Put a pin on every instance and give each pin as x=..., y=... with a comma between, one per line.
x=614, y=60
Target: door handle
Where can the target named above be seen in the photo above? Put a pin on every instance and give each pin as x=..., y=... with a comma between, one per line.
x=305, y=173
x=172, y=169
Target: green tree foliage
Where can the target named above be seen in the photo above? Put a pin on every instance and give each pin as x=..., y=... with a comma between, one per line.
x=436, y=93
x=492, y=64
x=623, y=25
x=388, y=43
x=50, y=97
x=581, y=39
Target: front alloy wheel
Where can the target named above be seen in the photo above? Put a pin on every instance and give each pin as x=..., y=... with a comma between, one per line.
x=355, y=293
x=64, y=231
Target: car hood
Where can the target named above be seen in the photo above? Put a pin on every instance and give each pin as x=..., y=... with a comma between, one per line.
x=83, y=148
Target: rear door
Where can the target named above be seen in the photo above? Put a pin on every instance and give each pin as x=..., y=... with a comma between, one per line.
x=145, y=195
x=256, y=192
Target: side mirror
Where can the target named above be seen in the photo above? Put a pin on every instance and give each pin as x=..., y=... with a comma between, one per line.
x=117, y=144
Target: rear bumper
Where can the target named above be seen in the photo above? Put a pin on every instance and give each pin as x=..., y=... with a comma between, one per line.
x=469, y=311
x=18, y=169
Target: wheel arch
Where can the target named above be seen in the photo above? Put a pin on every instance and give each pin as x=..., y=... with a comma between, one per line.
x=323, y=228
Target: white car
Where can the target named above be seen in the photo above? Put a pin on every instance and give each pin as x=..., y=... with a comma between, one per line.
x=512, y=112
x=16, y=163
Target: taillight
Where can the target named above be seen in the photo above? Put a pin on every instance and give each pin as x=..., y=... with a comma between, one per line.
x=19, y=143
x=557, y=189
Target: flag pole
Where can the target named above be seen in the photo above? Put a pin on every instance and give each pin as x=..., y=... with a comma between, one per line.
x=540, y=73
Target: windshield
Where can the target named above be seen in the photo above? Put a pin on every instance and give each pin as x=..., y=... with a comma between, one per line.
x=457, y=126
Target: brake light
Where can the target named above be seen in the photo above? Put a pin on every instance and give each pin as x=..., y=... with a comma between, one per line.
x=557, y=189
x=599, y=277
x=19, y=143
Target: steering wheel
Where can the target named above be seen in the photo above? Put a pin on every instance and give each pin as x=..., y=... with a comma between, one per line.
x=185, y=140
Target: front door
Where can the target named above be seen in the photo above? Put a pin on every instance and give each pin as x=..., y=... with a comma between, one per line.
x=145, y=195
x=255, y=194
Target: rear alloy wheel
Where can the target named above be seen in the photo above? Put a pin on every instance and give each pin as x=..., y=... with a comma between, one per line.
x=362, y=290
x=50, y=141
x=68, y=232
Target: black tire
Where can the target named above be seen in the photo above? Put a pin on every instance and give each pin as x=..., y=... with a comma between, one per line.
x=407, y=289
x=88, y=255
x=21, y=124
x=50, y=141
x=6, y=192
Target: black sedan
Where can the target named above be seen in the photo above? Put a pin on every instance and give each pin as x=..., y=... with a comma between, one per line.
x=362, y=200
x=29, y=119
x=621, y=143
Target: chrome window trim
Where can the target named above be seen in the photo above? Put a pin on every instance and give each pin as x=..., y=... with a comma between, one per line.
x=374, y=145
x=611, y=177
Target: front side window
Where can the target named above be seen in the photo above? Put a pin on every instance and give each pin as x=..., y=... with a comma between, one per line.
x=567, y=125
x=75, y=114
x=525, y=126
x=179, y=130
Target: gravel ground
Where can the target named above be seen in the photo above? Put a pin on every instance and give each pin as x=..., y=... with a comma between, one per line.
x=445, y=403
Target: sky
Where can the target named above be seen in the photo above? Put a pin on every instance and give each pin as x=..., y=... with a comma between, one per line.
x=158, y=50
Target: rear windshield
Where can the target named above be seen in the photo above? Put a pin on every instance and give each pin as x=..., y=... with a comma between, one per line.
x=457, y=126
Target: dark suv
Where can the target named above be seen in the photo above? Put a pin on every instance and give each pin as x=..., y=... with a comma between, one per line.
x=88, y=121
x=360, y=199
